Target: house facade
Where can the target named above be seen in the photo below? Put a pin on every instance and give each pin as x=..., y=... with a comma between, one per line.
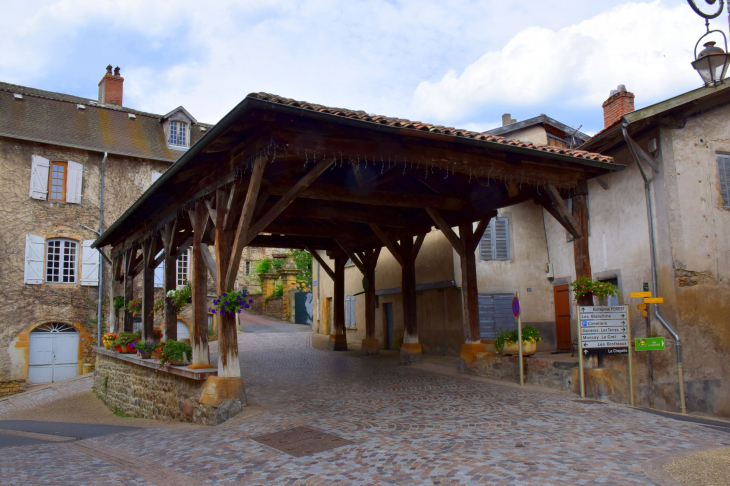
x=526, y=252
x=63, y=159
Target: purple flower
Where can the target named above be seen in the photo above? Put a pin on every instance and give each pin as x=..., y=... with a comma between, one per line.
x=225, y=295
x=213, y=311
x=239, y=311
x=225, y=303
x=250, y=301
x=247, y=306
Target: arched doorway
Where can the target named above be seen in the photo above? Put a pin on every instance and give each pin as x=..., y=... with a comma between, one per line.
x=53, y=353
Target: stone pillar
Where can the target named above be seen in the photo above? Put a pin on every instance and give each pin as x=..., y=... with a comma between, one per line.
x=289, y=274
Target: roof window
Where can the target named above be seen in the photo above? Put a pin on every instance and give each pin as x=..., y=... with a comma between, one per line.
x=17, y=96
x=132, y=116
x=81, y=107
x=178, y=134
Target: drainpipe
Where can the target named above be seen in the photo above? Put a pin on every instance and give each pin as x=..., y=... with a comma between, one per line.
x=101, y=261
x=655, y=293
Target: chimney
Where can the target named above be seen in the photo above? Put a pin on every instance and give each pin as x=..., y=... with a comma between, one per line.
x=618, y=103
x=507, y=119
x=111, y=87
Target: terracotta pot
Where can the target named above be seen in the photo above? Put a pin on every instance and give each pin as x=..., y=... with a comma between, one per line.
x=127, y=349
x=145, y=355
x=528, y=349
x=177, y=362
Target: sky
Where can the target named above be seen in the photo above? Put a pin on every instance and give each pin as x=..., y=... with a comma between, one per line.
x=459, y=63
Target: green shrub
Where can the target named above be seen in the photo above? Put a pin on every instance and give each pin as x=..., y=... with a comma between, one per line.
x=529, y=335
x=175, y=350
x=118, y=302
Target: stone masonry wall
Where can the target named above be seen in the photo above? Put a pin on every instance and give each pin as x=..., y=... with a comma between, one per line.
x=155, y=394
x=11, y=387
x=274, y=308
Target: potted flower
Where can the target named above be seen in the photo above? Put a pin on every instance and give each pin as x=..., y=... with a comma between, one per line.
x=230, y=303
x=175, y=353
x=108, y=339
x=179, y=298
x=146, y=348
x=135, y=307
x=157, y=334
x=594, y=288
x=506, y=342
x=123, y=344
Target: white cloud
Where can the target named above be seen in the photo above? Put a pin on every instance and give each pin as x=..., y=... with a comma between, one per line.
x=646, y=46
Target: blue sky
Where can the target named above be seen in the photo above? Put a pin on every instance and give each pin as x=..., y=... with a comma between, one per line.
x=453, y=62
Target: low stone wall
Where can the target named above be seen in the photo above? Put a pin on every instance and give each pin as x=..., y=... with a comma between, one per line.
x=11, y=387
x=556, y=374
x=257, y=306
x=274, y=308
x=141, y=388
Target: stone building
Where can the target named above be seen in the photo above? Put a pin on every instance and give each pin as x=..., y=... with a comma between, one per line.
x=682, y=144
x=63, y=158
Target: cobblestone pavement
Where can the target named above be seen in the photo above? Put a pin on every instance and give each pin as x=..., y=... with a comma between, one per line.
x=408, y=426
x=45, y=394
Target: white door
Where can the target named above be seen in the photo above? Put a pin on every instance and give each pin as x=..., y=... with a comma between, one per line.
x=53, y=353
x=182, y=331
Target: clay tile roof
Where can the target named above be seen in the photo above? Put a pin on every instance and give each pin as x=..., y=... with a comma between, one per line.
x=417, y=125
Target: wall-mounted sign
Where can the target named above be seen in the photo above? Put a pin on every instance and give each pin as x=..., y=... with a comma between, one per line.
x=650, y=344
x=639, y=295
x=654, y=300
x=516, y=306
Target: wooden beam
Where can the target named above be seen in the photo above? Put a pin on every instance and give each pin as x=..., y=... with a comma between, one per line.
x=417, y=245
x=237, y=193
x=199, y=286
x=208, y=259
x=453, y=238
x=211, y=211
x=355, y=259
x=559, y=210
x=391, y=245
x=322, y=263
x=478, y=233
x=242, y=235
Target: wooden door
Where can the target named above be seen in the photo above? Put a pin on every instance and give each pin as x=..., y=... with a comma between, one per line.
x=326, y=311
x=388, y=325
x=561, y=296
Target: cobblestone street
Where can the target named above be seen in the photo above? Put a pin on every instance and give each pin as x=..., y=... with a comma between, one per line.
x=406, y=425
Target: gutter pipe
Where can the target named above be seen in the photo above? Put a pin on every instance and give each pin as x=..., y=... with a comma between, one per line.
x=650, y=218
x=101, y=261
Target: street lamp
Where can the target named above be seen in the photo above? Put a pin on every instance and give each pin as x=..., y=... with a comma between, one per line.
x=712, y=62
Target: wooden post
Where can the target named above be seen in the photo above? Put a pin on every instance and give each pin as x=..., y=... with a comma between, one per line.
x=338, y=340
x=169, y=279
x=129, y=257
x=199, y=284
x=370, y=345
x=148, y=289
x=408, y=287
x=580, y=245
x=228, y=365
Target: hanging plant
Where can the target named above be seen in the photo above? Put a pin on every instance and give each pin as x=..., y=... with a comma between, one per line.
x=178, y=297
x=230, y=303
x=587, y=286
x=135, y=307
x=118, y=302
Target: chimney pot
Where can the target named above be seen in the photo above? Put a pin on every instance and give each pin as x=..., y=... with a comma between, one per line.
x=507, y=119
x=618, y=104
x=111, y=87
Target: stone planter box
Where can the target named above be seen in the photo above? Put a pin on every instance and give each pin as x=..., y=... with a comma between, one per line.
x=528, y=349
x=143, y=388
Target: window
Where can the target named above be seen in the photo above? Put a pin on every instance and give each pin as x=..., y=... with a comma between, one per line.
x=61, y=261
x=248, y=268
x=495, y=241
x=182, y=269
x=57, y=190
x=350, y=312
x=723, y=166
x=178, y=134
x=210, y=321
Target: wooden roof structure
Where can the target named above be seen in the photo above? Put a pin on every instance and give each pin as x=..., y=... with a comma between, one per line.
x=330, y=174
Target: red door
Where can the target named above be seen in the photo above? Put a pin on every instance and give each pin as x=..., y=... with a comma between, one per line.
x=562, y=316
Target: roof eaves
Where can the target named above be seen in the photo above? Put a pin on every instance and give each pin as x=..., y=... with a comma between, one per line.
x=180, y=108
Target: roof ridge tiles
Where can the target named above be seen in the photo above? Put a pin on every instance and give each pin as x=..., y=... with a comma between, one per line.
x=417, y=125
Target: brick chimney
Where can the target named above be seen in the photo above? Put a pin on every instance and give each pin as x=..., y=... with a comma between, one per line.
x=619, y=103
x=111, y=87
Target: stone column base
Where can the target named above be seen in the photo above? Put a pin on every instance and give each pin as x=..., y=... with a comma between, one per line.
x=337, y=342
x=470, y=352
x=370, y=347
x=410, y=353
x=218, y=390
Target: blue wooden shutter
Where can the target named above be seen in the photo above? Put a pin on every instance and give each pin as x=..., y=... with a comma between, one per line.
x=485, y=245
x=500, y=240
x=723, y=167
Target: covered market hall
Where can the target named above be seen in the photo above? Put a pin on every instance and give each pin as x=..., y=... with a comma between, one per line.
x=280, y=173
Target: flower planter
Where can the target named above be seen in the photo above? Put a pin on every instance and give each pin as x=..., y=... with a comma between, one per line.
x=177, y=362
x=144, y=355
x=107, y=345
x=127, y=349
x=528, y=349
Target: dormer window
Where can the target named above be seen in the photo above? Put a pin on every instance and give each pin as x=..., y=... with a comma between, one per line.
x=178, y=136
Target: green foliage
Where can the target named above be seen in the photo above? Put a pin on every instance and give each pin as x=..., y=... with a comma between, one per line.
x=106, y=382
x=179, y=297
x=135, y=306
x=278, y=289
x=262, y=266
x=146, y=346
x=175, y=351
x=585, y=286
x=303, y=259
x=126, y=338
x=529, y=335
x=118, y=302
x=119, y=412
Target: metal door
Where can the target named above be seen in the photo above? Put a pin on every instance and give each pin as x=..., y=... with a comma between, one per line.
x=53, y=353
x=495, y=313
x=388, y=324
x=561, y=296
x=303, y=308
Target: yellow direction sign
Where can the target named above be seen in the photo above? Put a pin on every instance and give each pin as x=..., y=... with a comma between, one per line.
x=638, y=295
x=643, y=313
x=641, y=306
x=656, y=300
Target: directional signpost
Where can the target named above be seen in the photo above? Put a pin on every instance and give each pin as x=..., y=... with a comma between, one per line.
x=650, y=344
x=604, y=330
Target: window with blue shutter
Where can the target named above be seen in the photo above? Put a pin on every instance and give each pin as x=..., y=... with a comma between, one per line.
x=723, y=168
x=494, y=244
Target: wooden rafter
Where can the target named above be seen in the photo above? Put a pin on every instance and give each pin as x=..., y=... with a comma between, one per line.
x=322, y=263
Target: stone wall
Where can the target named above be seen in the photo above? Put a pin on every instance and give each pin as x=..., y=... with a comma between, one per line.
x=274, y=308
x=551, y=373
x=257, y=306
x=154, y=393
x=11, y=387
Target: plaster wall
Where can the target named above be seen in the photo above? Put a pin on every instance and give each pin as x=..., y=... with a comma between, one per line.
x=534, y=134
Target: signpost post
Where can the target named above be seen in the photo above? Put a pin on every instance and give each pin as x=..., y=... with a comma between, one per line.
x=605, y=330
x=517, y=313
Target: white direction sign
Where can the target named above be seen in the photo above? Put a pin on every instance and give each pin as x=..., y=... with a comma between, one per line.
x=604, y=327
